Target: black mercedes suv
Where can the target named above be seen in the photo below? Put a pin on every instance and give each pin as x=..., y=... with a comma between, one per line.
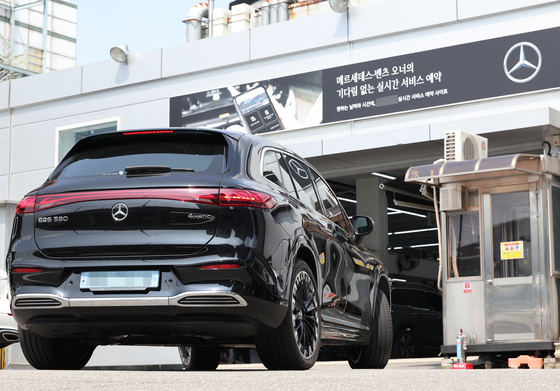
x=197, y=238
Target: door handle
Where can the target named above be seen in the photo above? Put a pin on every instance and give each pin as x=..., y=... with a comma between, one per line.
x=489, y=282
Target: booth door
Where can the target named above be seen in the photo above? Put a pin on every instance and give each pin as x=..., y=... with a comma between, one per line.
x=511, y=240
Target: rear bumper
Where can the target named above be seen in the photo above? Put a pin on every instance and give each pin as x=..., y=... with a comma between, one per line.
x=222, y=309
x=219, y=298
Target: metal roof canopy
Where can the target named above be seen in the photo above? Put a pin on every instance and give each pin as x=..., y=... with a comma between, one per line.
x=434, y=174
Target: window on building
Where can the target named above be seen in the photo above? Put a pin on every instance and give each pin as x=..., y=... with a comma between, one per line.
x=70, y=135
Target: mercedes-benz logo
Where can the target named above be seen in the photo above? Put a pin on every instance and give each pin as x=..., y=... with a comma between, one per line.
x=523, y=62
x=298, y=169
x=119, y=211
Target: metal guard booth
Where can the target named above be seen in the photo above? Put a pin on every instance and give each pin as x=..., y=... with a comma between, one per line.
x=500, y=243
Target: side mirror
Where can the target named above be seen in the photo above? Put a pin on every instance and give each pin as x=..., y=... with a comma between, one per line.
x=363, y=225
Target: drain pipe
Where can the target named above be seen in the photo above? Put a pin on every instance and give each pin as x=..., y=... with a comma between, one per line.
x=194, y=21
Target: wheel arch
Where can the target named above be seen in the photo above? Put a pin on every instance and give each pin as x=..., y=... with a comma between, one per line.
x=306, y=255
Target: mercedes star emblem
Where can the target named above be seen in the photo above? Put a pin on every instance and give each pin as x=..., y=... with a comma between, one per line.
x=119, y=211
x=524, y=48
x=298, y=169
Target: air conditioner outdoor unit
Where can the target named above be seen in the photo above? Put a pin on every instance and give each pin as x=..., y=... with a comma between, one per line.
x=460, y=145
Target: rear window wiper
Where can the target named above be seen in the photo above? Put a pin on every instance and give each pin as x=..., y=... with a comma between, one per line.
x=154, y=169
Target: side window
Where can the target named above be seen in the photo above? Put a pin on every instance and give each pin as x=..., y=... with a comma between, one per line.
x=399, y=297
x=435, y=302
x=288, y=184
x=303, y=184
x=274, y=169
x=271, y=168
x=333, y=209
x=418, y=299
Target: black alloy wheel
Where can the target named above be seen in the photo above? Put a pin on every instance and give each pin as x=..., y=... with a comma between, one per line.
x=295, y=344
x=405, y=344
x=304, y=314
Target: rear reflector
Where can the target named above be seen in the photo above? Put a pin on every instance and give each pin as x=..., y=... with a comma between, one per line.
x=219, y=266
x=26, y=270
x=217, y=197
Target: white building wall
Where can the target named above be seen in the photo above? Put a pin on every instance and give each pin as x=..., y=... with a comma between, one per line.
x=138, y=92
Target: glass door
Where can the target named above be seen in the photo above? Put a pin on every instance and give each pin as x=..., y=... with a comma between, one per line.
x=511, y=265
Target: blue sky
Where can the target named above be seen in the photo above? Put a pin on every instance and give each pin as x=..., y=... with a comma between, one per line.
x=142, y=24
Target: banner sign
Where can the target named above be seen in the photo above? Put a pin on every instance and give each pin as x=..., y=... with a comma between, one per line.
x=486, y=69
x=480, y=70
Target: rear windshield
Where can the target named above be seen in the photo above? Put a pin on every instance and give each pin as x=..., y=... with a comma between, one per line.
x=111, y=156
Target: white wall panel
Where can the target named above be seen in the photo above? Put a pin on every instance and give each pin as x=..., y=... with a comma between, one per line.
x=206, y=54
x=376, y=139
x=394, y=16
x=45, y=87
x=476, y=8
x=140, y=67
x=163, y=89
x=308, y=142
x=311, y=33
x=38, y=142
x=3, y=188
x=4, y=96
x=510, y=120
x=4, y=151
x=21, y=184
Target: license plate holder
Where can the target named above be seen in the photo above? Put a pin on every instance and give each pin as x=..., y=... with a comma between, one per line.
x=121, y=280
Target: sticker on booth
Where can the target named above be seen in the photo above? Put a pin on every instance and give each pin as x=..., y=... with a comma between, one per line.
x=467, y=287
x=512, y=250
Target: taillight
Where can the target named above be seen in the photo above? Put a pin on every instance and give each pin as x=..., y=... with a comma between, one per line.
x=217, y=197
x=27, y=205
x=200, y=196
x=220, y=266
x=20, y=270
x=235, y=197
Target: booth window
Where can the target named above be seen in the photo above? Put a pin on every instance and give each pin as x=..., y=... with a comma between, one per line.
x=511, y=235
x=556, y=226
x=68, y=136
x=464, y=245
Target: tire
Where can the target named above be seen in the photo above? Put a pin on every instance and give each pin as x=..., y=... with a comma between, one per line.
x=405, y=344
x=377, y=352
x=51, y=353
x=198, y=358
x=295, y=344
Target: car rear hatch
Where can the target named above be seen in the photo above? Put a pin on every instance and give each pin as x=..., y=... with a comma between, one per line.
x=147, y=194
